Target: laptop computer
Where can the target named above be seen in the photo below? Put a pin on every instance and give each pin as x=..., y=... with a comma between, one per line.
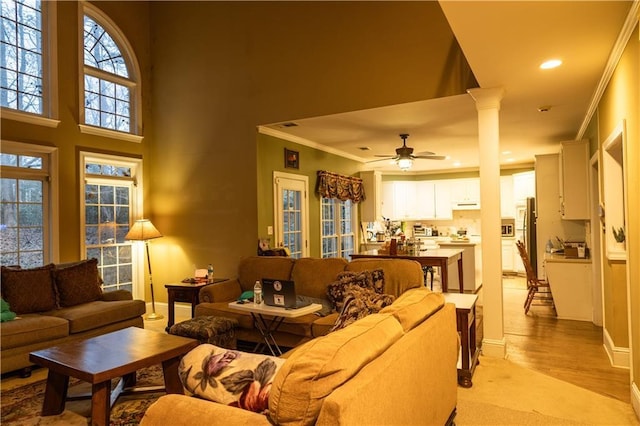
x=281, y=293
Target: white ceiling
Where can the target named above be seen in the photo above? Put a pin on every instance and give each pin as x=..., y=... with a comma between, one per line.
x=504, y=43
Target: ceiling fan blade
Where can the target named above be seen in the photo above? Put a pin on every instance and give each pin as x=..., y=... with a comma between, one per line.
x=424, y=153
x=382, y=159
x=385, y=156
x=430, y=157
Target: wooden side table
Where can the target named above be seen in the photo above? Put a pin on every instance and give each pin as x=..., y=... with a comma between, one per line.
x=185, y=292
x=466, y=324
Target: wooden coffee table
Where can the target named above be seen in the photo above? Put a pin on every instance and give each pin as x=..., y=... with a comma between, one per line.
x=99, y=359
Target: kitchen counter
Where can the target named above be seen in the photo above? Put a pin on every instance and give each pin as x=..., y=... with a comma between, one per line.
x=561, y=258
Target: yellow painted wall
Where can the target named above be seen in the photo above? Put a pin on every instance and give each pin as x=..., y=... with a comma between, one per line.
x=220, y=69
x=621, y=100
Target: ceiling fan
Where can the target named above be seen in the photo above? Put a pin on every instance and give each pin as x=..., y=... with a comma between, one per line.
x=404, y=155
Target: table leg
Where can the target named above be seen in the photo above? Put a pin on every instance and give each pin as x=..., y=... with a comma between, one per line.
x=55, y=394
x=464, y=374
x=460, y=274
x=444, y=275
x=101, y=403
x=172, y=383
x=267, y=329
x=171, y=296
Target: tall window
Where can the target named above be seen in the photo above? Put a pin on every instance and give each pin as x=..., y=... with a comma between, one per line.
x=110, y=200
x=24, y=52
x=110, y=76
x=25, y=205
x=338, y=236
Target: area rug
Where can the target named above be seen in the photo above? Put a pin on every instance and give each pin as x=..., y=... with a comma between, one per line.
x=23, y=405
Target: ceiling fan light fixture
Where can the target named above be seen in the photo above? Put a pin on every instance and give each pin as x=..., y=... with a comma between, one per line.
x=405, y=163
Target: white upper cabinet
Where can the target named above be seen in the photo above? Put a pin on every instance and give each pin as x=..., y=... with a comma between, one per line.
x=574, y=180
x=443, y=200
x=524, y=186
x=507, y=206
x=418, y=200
x=465, y=193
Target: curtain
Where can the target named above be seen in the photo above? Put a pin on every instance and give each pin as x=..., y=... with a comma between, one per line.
x=333, y=185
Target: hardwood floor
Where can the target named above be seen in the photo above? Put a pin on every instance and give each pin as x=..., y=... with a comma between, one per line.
x=567, y=350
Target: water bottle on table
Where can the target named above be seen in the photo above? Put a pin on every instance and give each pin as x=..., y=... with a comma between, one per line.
x=257, y=293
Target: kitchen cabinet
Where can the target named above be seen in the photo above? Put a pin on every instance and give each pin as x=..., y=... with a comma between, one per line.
x=508, y=247
x=465, y=192
x=570, y=282
x=524, y=186
x=404, y=200
x=574, y=180
x=371, y=207
x=507, y=205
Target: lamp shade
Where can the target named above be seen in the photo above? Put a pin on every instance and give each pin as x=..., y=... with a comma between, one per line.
x=142, y=230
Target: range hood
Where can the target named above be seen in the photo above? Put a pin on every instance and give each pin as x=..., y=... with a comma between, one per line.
x=466, y=205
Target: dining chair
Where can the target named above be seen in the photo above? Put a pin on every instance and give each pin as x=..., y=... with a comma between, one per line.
x=537, y=290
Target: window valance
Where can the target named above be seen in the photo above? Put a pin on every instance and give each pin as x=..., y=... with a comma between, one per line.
x=333, y=185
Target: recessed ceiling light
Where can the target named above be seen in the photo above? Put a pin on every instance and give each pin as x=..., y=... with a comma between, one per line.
x=510, y=160
x=364, y=148
x=506, y=152
x=457, y=164
x=551, y=63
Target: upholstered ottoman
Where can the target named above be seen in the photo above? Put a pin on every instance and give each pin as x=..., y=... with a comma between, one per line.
x=219, y=331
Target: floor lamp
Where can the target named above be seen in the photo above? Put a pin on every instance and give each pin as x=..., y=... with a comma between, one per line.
x=143, y=230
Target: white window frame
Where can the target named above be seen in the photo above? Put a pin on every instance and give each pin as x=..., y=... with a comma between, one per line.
x=136, y=165
x=337, y=220
x=51, y=203
x=49, y=116
x=133, y=82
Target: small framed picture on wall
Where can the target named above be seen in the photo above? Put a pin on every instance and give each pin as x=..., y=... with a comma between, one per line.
x=291, y=159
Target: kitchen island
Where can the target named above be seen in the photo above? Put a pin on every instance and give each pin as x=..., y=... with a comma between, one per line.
x=440, y=258
x=471, y=264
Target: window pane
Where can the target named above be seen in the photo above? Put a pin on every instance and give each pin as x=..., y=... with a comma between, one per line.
x=21, y=56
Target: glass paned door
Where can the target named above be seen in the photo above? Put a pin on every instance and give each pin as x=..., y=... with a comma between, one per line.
x=107, y=218
x=291, y=213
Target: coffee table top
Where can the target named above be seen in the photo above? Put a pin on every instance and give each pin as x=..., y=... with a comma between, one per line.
x=275, y=311
x=112, y=355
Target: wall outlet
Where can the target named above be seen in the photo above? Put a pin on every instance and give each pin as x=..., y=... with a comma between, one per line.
x=269, y=230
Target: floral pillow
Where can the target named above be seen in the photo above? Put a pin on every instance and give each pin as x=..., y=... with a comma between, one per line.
x=360, y=302
x=337, y=290
x=229, y=377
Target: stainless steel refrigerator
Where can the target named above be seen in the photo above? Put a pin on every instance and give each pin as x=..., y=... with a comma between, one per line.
x=529, y=228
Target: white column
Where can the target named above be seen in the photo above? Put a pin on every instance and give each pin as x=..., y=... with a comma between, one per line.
x=488, y=106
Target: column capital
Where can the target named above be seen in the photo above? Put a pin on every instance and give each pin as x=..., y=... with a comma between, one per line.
x=487, y=98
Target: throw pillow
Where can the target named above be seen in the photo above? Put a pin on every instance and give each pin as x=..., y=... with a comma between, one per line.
x=229, y=377
x=337, y=290
x=359, y=303
x=78, y=283
x=29, y=290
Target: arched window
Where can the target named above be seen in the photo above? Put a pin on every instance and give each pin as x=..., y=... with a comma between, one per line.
x=27, y=62
x=111, y=78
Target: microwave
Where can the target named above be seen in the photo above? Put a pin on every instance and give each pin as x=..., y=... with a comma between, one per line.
x=508, y=228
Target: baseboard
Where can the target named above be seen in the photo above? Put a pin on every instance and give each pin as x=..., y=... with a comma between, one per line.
x=494, y=348
x=635, y=399
x=619, y=357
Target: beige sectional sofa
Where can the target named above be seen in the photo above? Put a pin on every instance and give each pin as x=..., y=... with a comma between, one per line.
x=57, y=304
x=395, y=367
x=312, y=277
